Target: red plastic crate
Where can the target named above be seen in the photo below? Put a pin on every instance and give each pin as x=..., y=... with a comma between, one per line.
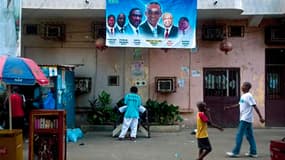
x=277, y=149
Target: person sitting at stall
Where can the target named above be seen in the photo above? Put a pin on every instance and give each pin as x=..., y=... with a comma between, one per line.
x=48, y=99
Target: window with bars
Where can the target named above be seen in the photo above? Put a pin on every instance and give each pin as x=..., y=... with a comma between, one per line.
x=274, y=78
x=275, y=73
x=236, y=31
x=221, y=81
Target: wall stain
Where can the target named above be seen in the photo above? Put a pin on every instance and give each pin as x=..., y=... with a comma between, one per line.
x=260, y=90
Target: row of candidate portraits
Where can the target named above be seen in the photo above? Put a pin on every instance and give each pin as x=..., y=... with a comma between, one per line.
x=149, y=28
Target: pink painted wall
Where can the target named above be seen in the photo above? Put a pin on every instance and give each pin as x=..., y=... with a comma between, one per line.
x=248, y=54
x=173, y=63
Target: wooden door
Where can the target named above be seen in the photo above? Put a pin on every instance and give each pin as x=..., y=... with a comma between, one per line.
x=275, y=88
x=221, y=88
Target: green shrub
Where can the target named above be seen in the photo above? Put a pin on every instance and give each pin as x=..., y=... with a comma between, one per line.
x=163, y=113
x=158, y=112
x=101, y=110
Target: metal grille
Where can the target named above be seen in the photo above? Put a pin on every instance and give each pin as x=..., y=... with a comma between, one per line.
x=221, y=82
x=274, y=85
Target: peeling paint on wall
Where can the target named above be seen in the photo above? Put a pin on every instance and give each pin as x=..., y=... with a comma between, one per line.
x=244, y=67
x=115, y=68
x=184, y=74
x=260, y=90
x=185, y=69
x=181, y=83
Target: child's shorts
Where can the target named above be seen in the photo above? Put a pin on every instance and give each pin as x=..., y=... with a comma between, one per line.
x=204, y=143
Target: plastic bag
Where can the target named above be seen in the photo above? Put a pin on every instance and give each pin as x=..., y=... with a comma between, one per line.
x=74, y=134
x=123, y=109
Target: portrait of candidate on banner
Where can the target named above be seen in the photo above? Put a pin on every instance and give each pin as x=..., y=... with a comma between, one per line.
x=151, y=24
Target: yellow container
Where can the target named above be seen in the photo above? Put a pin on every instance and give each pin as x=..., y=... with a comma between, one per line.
x=11, y=144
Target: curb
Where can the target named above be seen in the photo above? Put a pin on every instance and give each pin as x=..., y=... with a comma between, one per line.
x=153, y=128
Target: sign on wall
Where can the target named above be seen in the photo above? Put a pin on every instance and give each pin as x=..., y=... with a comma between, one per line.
x=151, y=24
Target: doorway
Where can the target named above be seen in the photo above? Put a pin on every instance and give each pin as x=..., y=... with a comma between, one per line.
x=275, y=87
x=221, y=88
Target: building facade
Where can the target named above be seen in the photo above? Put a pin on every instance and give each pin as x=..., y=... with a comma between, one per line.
x=64, y=32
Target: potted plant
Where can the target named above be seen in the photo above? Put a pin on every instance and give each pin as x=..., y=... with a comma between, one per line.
x=102, y=111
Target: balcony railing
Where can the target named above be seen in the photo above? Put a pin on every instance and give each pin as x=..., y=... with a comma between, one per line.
x=64, y=4
x=246, y=7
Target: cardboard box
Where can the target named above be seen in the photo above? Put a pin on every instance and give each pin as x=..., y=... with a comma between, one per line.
x=11, y=144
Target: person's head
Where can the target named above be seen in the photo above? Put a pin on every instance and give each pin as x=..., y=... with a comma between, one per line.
x=201, y=106
x=121, y=19
x=15, y=89
x=135, y=17
x=246, y=86
x=167, y=19
x=111, y=20
x=153, y=13
x=134, y=89
x=183, y=23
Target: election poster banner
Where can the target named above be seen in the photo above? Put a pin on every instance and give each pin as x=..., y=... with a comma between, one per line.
x=151, y=24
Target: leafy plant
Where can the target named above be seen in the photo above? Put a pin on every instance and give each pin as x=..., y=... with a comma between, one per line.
x=104, y=99
x=158, y=112
x=101, y=110
x=163, y=113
